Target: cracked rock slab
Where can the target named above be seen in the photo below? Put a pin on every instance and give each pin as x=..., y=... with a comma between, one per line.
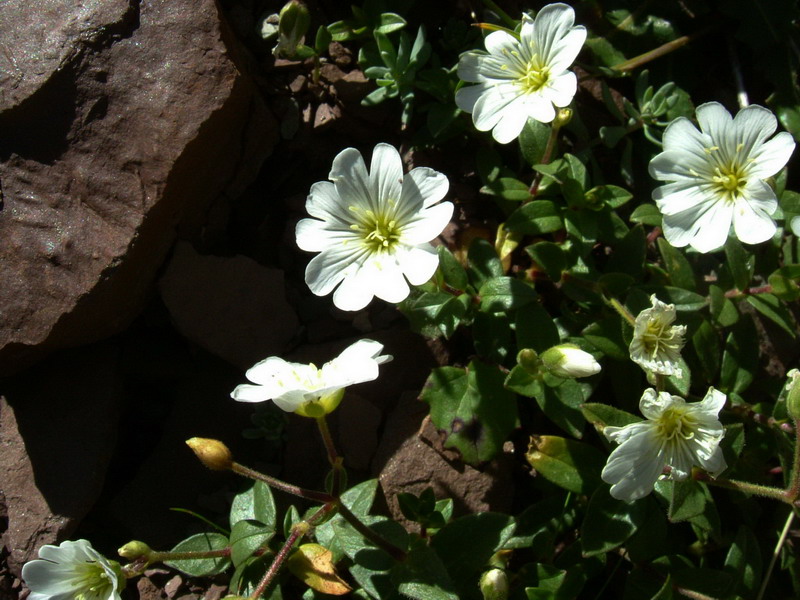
x=119, y=121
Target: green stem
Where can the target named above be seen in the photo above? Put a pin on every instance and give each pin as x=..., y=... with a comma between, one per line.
x=155, y=556
x=500, y=13
x=280, y=558
x=282, y=485
x=664, y=49
x=392, y=550
x=327, y=439
x=620, y=308
x=546, y=156
x=793, y=491
x=748, y=488
x=775, y=554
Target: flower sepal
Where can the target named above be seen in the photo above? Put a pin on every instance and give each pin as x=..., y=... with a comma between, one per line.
x=325, y=405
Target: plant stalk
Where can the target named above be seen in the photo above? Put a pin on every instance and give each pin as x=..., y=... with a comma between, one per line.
x=282, y=485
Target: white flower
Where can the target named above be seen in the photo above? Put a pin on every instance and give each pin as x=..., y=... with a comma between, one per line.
x=717, y=176
x=656, y=344
x=567, y=361
x=295, y=387
x=372, y=229
x=522, y=78
x=73, y=571
x=675, y=435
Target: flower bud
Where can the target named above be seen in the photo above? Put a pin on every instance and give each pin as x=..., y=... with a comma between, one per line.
x=133, y=550
x=563, y=116
x=793, y=394
x=567, y=361
x=292, y=26
x=212, y=453
x=528, y=359
x=494, y=585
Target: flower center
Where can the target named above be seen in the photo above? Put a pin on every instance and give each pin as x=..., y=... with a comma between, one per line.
x=729, y=181
x=659, y=335
x=535, y=77
x=379, y=233
x=94, y=581
x=675, y=423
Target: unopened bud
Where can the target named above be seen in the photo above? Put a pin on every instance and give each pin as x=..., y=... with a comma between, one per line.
x=528, y=359
x=212, y=453
x=563, y=116
x=293, y=23
x=793, y=394
x=133, y=550
x=568, y=361
x=494, y=585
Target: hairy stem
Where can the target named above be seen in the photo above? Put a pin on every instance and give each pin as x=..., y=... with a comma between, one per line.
x=282, y=485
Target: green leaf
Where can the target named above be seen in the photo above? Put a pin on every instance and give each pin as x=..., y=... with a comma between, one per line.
x=435, y=313
x=603, y=415
x=535, y=328
x=740, y=262
x=390, y=22
x=453, y=273
x=533, y=141
x=550, y=257
x=561, y=405
x=201, y=567
x=687, y=500
x=785, y=283
x=646, y=214
x=572, y=465
x=337, y=535
x=684, y=300
x=609, y=522
x=606, y=336
x=483, y=262
x=723, y=310
x=466, y=545
x=422, y=575
x=246, y=537
x=772, y=308
x=743, y=563
x=519, y=380
x=473, y=408
x=612, y=196
x=739, y=359
x=508, y=188
x=255, y=503
x=535, y=218
x=705, y=341
x=680, y=271
x=500, y=294
x=629, y=253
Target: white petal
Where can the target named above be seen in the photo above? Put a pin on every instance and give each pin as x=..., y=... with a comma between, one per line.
x=291, y=400
x=354, y=293
x=552, y=23
x=705, y=227
x=679, y=196
x=313, y=235
x=267, y=370
x=469, y=68
x=419, y=263
x=386, y=173
x=499, y=42
x=365, y=348
x=752, y=125
x=771, y=156
x=389, y=284
x=634, y=467
x=327, y=269
x=653, y=404
x=490, y=107
x=251, y=393
x=561, y=90
x=715, y=464
x=681, y=165
x=349, y=175
x=751, y=224
x=427, y=184
x=468, y=95
x=324, y=203
x=715, y=121
x=681, y=135
x=427, y=225
x=564, y=52
x=514, y=117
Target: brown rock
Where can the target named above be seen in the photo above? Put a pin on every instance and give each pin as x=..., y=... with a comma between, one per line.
x=232, y=307
x=117, y=119
x=57, y=431
x=411, y=462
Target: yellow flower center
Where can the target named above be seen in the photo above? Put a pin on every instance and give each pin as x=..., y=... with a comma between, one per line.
x=674, y=423
x=379, y=232
x=658, y=337
x=95, y=582
x=729, y=180
x=535, y=76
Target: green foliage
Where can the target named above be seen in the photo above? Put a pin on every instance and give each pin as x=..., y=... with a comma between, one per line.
x=201, y=567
